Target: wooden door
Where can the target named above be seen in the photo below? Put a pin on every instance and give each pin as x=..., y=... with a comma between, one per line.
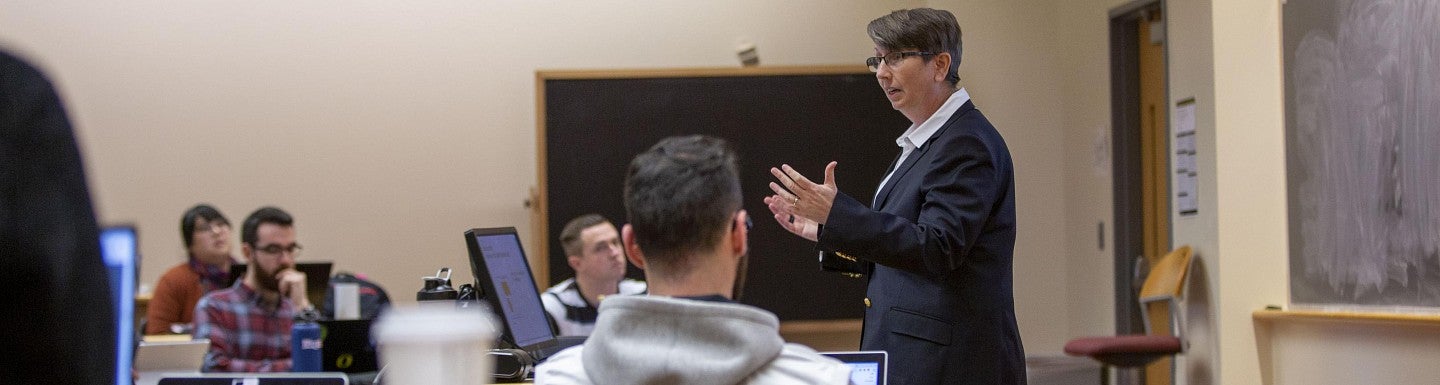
x=1155, y=165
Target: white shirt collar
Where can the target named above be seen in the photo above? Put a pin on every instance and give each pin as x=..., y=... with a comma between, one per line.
x=916, y=136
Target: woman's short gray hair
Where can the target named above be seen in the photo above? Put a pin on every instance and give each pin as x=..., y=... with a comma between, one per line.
x=925, y=29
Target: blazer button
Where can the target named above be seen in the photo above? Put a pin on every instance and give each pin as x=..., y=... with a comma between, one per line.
x=867, y=301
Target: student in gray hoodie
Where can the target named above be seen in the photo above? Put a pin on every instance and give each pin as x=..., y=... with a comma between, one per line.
x=688, y=232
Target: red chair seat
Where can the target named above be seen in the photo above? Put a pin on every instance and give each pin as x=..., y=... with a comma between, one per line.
x=1124, y=351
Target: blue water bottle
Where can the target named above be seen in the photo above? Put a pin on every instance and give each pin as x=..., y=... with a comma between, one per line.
x=305, y=343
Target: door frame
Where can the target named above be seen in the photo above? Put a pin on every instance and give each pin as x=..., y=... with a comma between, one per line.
x=1126, y=168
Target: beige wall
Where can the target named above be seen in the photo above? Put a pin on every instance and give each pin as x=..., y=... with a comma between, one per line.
x=1232, y=68
x=1081, y=29
x=1008, y=68
x=1325, y=350
x=1250, y=147
x=1191, y=75
x=1225, y=54
x=387, y=128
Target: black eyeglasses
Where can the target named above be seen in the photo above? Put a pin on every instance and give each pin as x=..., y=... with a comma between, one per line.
x=892, y=58
x=293, y=249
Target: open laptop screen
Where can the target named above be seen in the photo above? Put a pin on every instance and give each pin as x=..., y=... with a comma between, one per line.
x=866, y=367
x=503, y=274
x=119, y=250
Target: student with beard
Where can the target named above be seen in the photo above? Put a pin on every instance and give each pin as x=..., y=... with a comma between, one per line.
x=248, y=324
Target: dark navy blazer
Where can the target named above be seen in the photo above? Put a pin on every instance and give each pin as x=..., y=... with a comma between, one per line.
x=937, y=249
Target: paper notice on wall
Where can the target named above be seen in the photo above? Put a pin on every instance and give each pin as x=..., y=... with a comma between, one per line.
x=1187, y=185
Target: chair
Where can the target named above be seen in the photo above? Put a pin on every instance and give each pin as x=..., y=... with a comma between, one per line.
x=1163, y=286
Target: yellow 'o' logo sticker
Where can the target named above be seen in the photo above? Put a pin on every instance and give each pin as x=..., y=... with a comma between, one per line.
x=344, y=361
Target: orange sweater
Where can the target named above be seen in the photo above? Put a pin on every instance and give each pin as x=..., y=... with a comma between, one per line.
x=174, y=300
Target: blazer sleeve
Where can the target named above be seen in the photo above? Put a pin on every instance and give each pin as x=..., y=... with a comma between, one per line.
x=954, y=200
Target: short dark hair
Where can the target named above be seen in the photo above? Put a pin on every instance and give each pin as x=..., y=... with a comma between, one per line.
x=925, y=29
x=200, y=211
x=680, y=195
x=570, y=236
x=263, y=215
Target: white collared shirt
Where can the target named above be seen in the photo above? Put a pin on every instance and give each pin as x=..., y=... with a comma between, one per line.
x=916, y=136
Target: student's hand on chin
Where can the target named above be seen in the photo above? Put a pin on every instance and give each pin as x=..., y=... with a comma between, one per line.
x=292, y=285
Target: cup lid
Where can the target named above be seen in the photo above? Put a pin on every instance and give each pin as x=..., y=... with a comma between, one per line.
x=426, y=324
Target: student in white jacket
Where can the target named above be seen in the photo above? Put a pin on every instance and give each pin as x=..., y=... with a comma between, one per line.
x=688, y=232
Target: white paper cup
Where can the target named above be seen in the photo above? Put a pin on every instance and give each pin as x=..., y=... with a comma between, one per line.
x=426, y=345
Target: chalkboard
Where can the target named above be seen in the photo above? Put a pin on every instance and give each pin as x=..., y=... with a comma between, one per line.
x=1362, y=102
x=593, y=123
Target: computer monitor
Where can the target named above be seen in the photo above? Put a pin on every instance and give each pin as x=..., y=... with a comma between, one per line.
x=119, y=248
x=317, y=278
x=503, y=278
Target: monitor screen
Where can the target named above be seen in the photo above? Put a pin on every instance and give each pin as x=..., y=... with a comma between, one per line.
x=504, y=276
x=864, y=373
x=866, y=367
x=118, y=247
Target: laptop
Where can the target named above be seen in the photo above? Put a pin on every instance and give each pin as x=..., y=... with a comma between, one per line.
x=120, y=251
x=866, y=367
x=503, y=279
x=171, y=356
x=317, y=277
x=347, y=346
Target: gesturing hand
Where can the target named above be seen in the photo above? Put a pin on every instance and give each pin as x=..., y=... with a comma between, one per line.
x=797, y=225
x=801, y=205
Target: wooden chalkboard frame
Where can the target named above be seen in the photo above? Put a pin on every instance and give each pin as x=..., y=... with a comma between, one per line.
x=864, y=169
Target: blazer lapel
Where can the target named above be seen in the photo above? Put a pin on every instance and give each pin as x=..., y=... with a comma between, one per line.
x=882, y=197
x=875, y=200
x=900, y=171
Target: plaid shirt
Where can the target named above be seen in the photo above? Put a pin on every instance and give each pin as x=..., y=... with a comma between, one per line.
x=245, y=335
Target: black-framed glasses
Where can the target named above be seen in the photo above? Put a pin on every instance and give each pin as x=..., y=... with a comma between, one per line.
x=293, y=249
x=892, y=58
